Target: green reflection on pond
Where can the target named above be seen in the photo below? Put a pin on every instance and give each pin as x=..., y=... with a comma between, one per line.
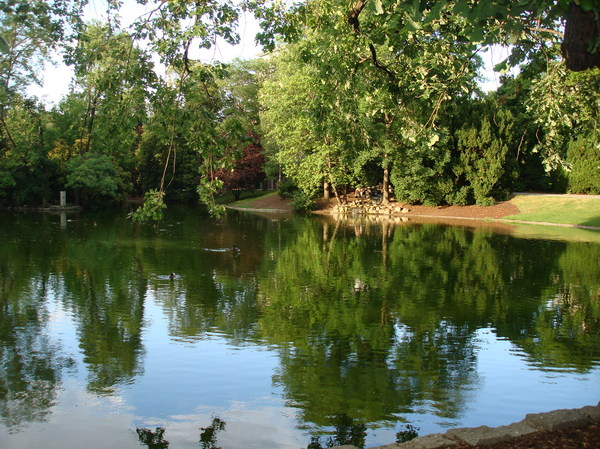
x=373, y=324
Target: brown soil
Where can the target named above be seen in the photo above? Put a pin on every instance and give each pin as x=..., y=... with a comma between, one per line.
x=499, y=210
x=587, y=437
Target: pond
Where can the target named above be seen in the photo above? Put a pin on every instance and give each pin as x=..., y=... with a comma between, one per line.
x=316, y=330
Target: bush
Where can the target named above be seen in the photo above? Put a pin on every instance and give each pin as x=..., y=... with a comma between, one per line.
x=286, y=189
x=301, y=202
x=584, y=157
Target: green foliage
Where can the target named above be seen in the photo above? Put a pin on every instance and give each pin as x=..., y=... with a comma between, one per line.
x=207, y=191
x=301, y=202
x=153, y=208
x=359, y=90
x=484, y=156
x=583, y=155
x=247, y=171
x=4, y=48
x=564, y=105
x=286, y=189
x=96, y=177
x=420, y=174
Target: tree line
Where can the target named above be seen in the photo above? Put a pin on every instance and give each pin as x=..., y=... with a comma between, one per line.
x=350, y=94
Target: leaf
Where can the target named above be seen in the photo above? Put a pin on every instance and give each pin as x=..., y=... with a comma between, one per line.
x=435, y=12
x=4, y=48
x=378, y=7
x=588, y=5
x=434, y=139
x=512, y=39
x=462, y=8
x=501, y=67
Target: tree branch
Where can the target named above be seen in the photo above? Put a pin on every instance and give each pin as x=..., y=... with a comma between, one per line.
x=353, y=16
x=354, y=22
x=547, y=30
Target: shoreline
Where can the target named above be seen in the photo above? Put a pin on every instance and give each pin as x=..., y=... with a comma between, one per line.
x=396, y=212
x=517, y=434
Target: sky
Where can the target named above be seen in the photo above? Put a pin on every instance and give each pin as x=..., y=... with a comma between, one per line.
x=57, y=76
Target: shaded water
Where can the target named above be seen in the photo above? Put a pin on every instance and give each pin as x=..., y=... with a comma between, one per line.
x=315, y=330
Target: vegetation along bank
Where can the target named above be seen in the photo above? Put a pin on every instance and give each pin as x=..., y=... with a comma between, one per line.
x=379, y=98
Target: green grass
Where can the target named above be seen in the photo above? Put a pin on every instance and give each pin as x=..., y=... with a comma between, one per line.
x=228, y=198
x=557, y=209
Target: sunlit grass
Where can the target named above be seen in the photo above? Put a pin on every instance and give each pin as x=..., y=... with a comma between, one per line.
x=227, y=198
x=557, y=209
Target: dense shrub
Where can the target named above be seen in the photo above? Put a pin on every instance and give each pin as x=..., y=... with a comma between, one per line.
x=301, y=202
x=584, y=157
x=286, y=189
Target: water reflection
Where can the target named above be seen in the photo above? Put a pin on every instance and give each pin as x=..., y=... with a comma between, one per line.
x=347, y=432
x=208, y=436
x=368, y=321
x=154, y=439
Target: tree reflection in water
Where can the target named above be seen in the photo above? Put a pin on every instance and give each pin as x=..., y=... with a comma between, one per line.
x=346, y=433
x=373, y=324
x=208, y=436
x=152, y=439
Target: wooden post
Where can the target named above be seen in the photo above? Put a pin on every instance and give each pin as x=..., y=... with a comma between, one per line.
x=63, y=198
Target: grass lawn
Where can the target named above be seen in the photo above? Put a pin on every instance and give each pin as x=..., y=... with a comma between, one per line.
x=557, y=209
x=227, y=198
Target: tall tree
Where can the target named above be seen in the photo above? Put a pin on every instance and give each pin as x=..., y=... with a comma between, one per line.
x=30, y=30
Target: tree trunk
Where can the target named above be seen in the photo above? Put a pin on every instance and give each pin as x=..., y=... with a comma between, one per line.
x=581, y=30
x=337, y=196
x=386, y=186
x=326, y=191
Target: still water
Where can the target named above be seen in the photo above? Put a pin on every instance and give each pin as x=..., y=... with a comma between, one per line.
x=315, y=330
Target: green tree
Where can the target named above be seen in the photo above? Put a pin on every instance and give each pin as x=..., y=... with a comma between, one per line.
x=583, y=155
x=115, y=77
x=566, y=107
x=30, y=30
x=95, y=178
x=485, y=167
x=529, y=27
x=27, y=173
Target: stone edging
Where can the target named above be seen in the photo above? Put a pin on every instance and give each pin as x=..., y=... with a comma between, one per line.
x=484, y=435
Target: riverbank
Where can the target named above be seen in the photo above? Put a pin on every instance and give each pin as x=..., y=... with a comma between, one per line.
x=558, y=429
x=571, y=211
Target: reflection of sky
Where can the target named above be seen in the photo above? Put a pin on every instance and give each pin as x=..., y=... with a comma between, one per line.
x=509, y=387
x=211, y=372
x=508, y=376
x=183, y=386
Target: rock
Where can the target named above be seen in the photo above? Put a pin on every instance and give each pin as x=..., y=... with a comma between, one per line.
x=592, y=411
x=556, y=420
x=484, y=435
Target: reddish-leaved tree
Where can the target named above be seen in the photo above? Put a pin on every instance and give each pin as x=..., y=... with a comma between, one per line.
x=247, y=172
